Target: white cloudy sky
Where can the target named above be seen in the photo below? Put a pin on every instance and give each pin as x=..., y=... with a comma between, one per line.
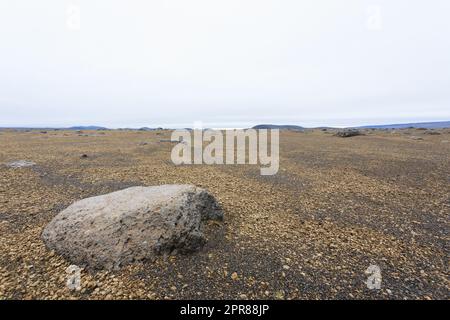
x=225, y=63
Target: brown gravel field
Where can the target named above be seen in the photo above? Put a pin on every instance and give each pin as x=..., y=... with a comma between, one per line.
x=336, y=206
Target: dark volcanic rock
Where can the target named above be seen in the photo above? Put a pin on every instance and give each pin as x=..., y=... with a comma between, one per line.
x=348, y=133
x=432, y=133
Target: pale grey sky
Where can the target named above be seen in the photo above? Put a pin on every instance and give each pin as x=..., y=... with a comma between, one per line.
x=226, y=63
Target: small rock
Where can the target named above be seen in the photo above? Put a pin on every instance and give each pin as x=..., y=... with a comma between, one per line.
x=20, y=164
x=234, y=276
x=279, y=295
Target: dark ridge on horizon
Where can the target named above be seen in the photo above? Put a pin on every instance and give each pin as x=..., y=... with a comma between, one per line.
x=87, y=128
x=75, y=128
x=426, y=125
x=280, y=127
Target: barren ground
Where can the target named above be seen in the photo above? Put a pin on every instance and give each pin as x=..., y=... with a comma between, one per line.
x=336, y=206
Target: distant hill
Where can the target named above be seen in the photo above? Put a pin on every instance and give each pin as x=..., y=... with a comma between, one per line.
x=427, y=125
x=56, y=128
x=149, y=129
x=280, y=127
x=87, y=128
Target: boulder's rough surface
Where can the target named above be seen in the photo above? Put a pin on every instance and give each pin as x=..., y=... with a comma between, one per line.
x=109, y=231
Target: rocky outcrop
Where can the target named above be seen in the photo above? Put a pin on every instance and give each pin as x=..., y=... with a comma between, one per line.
x=348, y=133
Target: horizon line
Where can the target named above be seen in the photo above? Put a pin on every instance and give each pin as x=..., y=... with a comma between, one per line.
x=163, y=127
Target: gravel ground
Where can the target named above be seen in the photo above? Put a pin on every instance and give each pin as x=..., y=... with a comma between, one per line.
x=337, y=206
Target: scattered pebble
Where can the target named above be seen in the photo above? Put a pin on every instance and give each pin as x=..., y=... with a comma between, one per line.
x=20, y=164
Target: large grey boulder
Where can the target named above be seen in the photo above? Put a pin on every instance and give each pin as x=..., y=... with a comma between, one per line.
x=109, y=231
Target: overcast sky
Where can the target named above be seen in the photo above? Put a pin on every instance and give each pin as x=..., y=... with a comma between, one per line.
x=226, y=63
